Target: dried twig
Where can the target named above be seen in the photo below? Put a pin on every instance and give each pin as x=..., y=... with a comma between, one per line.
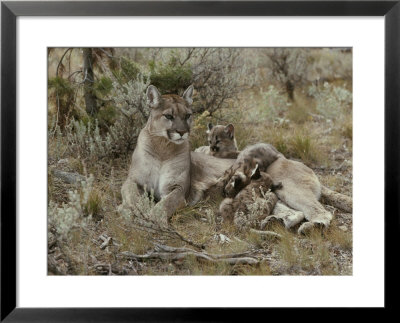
x=266, y=233
x=145, y=223
x=169, y=253
x=105, y=243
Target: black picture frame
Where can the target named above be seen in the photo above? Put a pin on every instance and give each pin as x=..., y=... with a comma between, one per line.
x=9, y=13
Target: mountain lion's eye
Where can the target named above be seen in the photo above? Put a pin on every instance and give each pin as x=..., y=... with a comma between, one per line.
x=168, y=116
x=188, y=116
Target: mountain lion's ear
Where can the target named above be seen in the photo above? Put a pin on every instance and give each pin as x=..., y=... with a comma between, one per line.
x=230, y=130
x=255, y=173
x=153, y=96
x=187, y=95
x=209, y=126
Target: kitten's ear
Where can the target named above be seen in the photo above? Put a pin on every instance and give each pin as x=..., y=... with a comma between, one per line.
x=255, y=173
x=187, y=95
x=209, y=126
x=154, y=96
x=230, y=130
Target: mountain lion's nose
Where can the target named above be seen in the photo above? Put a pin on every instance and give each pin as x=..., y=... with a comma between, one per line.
x=181, y=132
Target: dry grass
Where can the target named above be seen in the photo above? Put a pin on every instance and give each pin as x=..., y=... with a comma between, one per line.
x=294, y=129
x=301, y=109
x=292, y=255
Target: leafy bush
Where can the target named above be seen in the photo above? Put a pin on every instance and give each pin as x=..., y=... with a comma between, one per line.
x=331, y=100
x=170, y=77
x=106, y=116
x=85, y=140
x=130, y=98
x=115, y=130
x=74, y=214
x=103, y=86
x=61, y=96
x=274, y=105
x=217, y=74
x=287, y=66
x=125, y=70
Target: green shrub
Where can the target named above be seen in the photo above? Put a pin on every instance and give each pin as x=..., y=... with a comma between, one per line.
x=331, y=101
x=126, y=70
x=106, y=116
x=130, y=69
x=62, y=86
x=70, y=215
x=275, y=102
x=87, y=141
x=103, y=86
x=62, y=96
x=170, y=77
x=114, y=130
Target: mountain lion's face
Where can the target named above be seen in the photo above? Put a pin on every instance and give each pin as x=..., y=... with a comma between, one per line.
x=171, y=115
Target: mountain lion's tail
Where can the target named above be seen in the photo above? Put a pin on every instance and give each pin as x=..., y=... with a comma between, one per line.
x=338, y=200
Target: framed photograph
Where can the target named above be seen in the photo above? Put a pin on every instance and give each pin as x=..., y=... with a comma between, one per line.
x=178, y=155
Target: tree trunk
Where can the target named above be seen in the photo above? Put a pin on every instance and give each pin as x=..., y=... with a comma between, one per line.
x=290, y=90
x=90, y=97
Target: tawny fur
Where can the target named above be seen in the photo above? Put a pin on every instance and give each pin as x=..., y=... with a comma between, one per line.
x=247, y=185
x=263, y=154
x=301, y=187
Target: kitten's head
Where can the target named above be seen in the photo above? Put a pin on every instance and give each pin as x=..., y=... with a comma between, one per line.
x=221, y=139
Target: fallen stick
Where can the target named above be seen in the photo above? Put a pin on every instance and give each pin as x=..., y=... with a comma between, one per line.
x=160, y=247
x=266, y=233
x=105, y=243
x=173, y=253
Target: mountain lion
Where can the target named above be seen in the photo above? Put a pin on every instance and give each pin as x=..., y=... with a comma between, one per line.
x=162, y=162
x=301, y=189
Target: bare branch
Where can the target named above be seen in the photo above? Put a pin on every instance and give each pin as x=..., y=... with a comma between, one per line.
x=169, y=253
x=60, y=62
